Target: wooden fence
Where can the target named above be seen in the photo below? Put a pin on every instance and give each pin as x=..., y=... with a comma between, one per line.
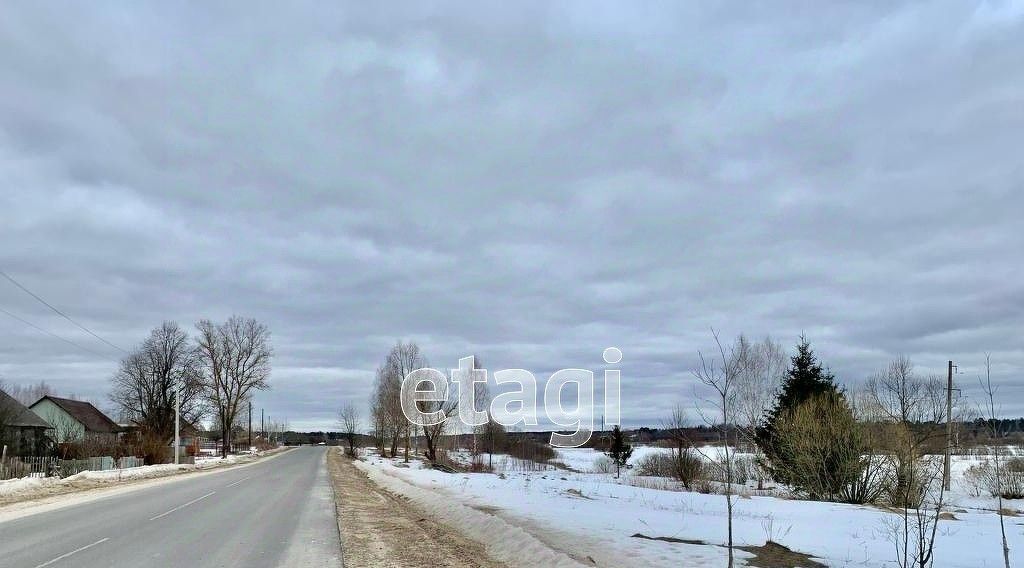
x=17, y=467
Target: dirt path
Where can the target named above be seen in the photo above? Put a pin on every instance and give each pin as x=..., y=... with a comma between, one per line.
x=381, y=529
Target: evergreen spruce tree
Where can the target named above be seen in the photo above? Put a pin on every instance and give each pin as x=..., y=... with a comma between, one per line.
x=619, y=450
x=806, y=378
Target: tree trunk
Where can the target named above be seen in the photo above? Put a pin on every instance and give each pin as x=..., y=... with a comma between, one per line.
x=431, y=454
x=225, y=438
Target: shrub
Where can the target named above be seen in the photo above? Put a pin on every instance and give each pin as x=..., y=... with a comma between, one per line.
x=744, y=468
x=685, y=467
x=689, y=468
x=656, y=465
x=819, y=448
x=478, y=465
x=527, y=449
x=1012, y=474
x=981, y=478
x=604, y=464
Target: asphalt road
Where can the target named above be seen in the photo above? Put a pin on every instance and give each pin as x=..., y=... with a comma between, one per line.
x=276, y=512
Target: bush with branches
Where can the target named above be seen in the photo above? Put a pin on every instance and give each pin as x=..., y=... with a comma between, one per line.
x=822, y=451
x=1008, y=483
x=686, y=467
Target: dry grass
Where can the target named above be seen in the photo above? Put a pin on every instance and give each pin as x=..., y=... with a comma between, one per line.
x=774, y=555
x=379, y=528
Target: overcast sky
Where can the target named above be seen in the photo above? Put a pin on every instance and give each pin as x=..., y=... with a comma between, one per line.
x=528, y=182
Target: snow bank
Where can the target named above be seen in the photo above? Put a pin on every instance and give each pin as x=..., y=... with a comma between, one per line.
x=22, y=485
x=141, y=472
x=504, y=541
x=31, y=485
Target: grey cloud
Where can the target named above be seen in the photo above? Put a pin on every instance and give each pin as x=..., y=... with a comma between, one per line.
x=530, y=182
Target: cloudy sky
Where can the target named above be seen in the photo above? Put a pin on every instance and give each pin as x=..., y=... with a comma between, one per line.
x=528, y=182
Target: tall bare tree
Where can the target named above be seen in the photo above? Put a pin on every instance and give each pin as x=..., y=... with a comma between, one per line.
x=379, y=413
x=989, y=411
x=388, y=408
x=348, y=421
x=481, y=403
x=446, y=408
x=403, y=359
x=147, y=378
x=912, y=408
x=235, y=358
x=720, y=372
x=761, y=370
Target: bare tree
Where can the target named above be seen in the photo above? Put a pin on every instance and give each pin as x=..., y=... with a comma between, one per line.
x=493, y=436
x=388, y=404
x=388, y=422
x=913, y=531
x=29, y=394
x=481, y=400
x=912, y=407
x=147, y=378
x=447, y=407
x=348, y=420
x=235, y=358
x=378, y=413
x=761, y=370
x=403, y=359
x=720, y=372
x=686, y=465
x=760, y=375
x=990, y=413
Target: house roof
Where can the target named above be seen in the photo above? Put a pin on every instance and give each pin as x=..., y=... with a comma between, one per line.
x=19, y=414
x=84, y=412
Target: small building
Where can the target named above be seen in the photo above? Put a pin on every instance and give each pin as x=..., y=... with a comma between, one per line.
x=75, y=420
x=21, y=430
x=190, y=436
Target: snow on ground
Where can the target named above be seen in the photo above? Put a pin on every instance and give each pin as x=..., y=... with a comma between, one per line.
x=594, y=515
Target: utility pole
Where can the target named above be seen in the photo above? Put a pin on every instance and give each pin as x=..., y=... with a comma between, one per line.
x=250, y=424
x=263, y=426
x=177, y=421
x=949, y=428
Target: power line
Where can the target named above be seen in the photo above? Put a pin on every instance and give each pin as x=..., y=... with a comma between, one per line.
x=51, y=334
x=60, y=313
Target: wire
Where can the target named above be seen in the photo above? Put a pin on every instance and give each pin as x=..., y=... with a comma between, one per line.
x=51, y=334
x=60, y=313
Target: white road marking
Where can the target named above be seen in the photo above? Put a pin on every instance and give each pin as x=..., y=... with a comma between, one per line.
x=237, y=482
x=179, y=507
x=63, y=556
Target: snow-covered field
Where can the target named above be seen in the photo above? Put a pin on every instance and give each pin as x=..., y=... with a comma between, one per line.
x=592, y=518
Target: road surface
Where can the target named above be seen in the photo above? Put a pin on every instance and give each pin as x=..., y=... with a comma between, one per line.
x=276, y=512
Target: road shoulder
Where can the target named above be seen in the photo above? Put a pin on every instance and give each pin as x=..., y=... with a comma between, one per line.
x=379, y=528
